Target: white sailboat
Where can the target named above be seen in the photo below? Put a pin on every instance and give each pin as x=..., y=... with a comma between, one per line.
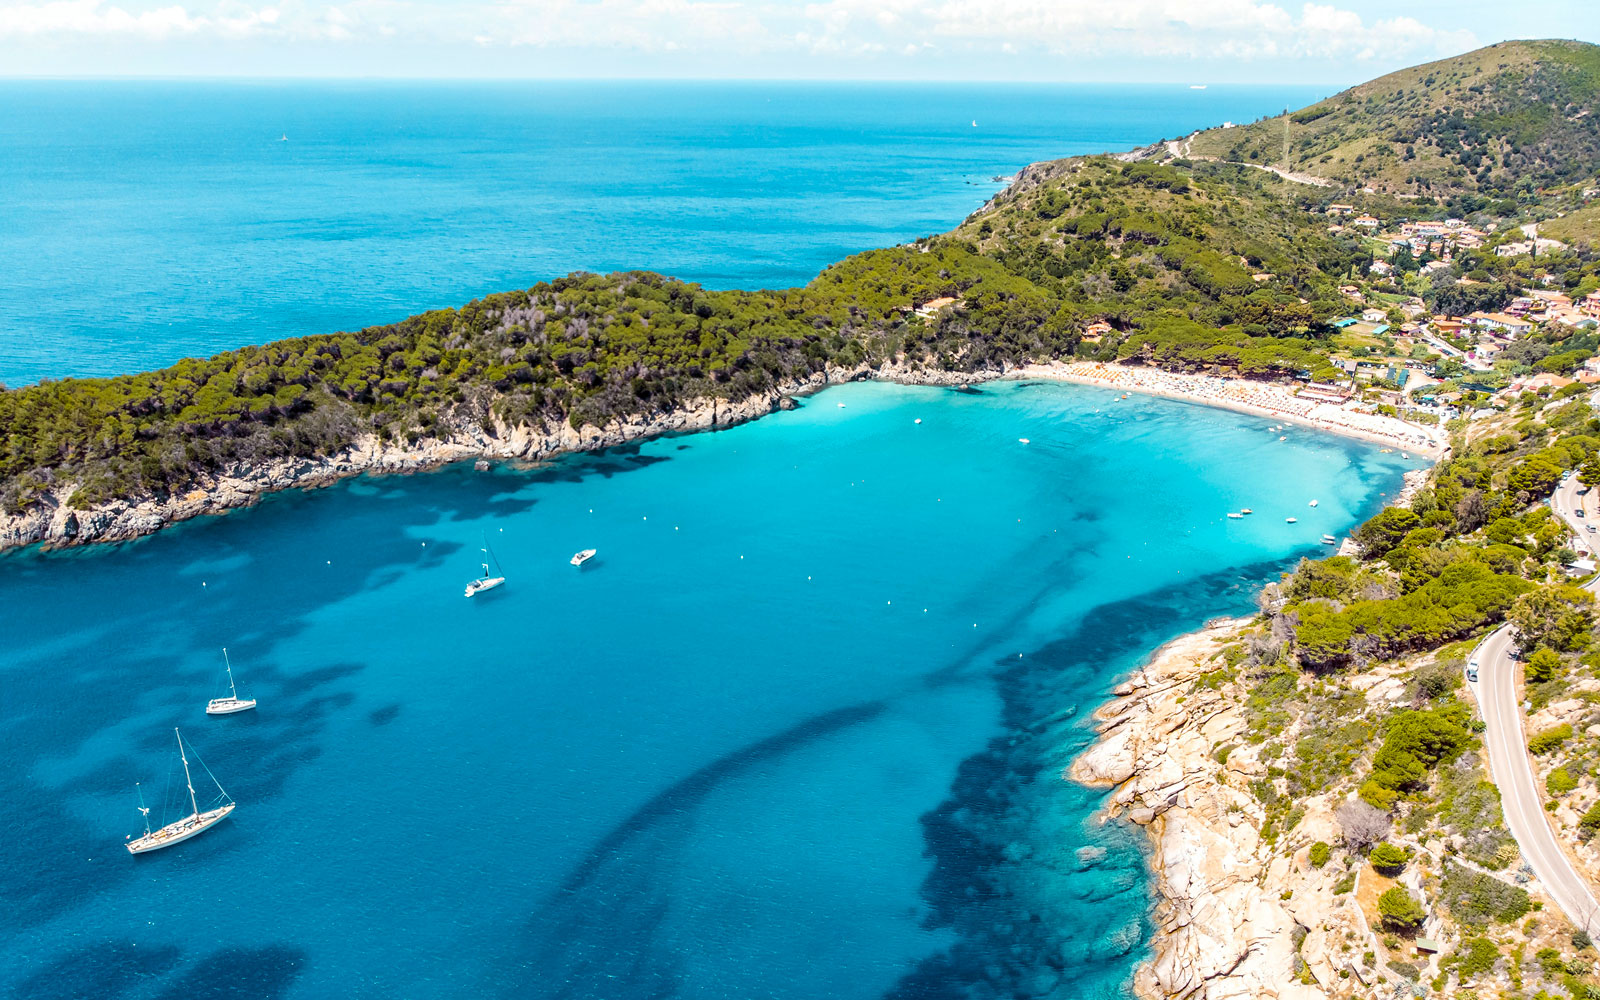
x=485, y=582
x=196, y=822
x=232, y=703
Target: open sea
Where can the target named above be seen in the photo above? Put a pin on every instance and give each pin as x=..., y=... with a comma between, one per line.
x=795, y=732
x=143, y=222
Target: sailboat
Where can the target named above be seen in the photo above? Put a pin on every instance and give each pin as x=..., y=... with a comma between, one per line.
x=195, y=823
x=232, y=703
x=485, y=582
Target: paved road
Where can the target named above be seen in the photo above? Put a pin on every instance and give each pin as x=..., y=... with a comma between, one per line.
x=1520, y=794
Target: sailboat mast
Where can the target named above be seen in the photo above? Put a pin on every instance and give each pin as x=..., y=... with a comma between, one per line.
x=231, y=690
x=188, y=779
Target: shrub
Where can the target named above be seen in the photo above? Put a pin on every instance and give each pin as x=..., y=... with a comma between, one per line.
x=1560, y=782
x=1388, y=859
x=1400, y=910
x=1405, y=970
x=1549, y=739
x=1478, y=900
x=1320, y=853
x=1589, y=822
x=1475, y=956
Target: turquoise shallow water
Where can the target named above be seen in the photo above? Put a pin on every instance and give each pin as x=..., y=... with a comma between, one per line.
x=149, y=221
x=795, y=732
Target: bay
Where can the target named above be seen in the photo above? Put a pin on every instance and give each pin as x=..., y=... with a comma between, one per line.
x=796, y=731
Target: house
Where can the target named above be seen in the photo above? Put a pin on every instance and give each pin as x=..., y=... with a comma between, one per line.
x=1350, y=292
x=1449, y=326
x=1512, y=325
x=1591, y=305
x=1095, y=332
x=1543, y=381
x=1373, y=315
x=1365, y=222
x=932, y=306
x=1380, y=267
x=1341, y=210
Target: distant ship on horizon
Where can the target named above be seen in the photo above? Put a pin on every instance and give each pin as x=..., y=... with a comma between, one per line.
x=1197, y=86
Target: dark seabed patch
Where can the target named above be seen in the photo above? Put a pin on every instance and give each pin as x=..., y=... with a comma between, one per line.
x=1031, y=918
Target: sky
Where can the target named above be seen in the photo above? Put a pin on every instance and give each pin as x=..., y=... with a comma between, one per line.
x=1190, y=41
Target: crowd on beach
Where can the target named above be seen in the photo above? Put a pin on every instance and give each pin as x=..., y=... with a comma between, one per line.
x=1261, y=398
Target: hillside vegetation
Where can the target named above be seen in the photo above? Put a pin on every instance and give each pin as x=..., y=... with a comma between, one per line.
x=1164, y=253
x=1503, y=122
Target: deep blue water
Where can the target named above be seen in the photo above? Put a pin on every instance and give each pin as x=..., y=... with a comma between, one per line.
x=796, y=732
x=141, y=222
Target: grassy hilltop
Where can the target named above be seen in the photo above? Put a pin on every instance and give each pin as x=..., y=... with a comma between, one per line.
x=1503, y=121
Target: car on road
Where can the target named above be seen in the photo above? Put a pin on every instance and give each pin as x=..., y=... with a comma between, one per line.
x=1472, y=672
x=1579, y=512
x=1590, y=527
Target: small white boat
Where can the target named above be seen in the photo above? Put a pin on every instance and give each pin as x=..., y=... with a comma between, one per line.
x=841, y=406
x=1023, y=440
x=1236, y=517
x=1404, y=455
x=1290, y=520
x=583, y=557
x=485, y=582
x=284, y=137
x=1246, y=510
x=917, y=421
x=1329, y=540
x=191, y=825
x=233, y=703
x=1312, y=504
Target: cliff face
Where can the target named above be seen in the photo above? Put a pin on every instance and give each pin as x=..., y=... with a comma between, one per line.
x=1227, y=904
x=55, y=524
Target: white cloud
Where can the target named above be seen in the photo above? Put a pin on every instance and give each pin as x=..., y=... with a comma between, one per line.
x=89, y=17
x=1197, y=29
x=1058, y=31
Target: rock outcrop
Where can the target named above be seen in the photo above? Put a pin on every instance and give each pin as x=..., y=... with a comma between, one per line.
x=1225, y=928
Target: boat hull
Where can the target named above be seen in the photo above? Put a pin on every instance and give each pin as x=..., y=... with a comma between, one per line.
x=583, y=557
x=177, y=833
x=477, y=587
x=228, y=706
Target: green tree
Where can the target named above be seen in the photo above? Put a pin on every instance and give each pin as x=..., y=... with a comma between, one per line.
x=1388, y=859
x=1400, y=910
x=1542, y=665
x=1589, y=472
x=1384, y=531
x=1320, y=853
x=1536, y=475
x=1559, y=616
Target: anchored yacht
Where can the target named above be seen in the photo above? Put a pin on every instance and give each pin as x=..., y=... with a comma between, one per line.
x=195, y=823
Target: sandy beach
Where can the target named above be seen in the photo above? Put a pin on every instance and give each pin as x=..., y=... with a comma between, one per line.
x=1246, y=396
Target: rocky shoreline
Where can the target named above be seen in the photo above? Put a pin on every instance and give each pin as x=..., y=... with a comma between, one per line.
x=54, y=524
x=1223, y=928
